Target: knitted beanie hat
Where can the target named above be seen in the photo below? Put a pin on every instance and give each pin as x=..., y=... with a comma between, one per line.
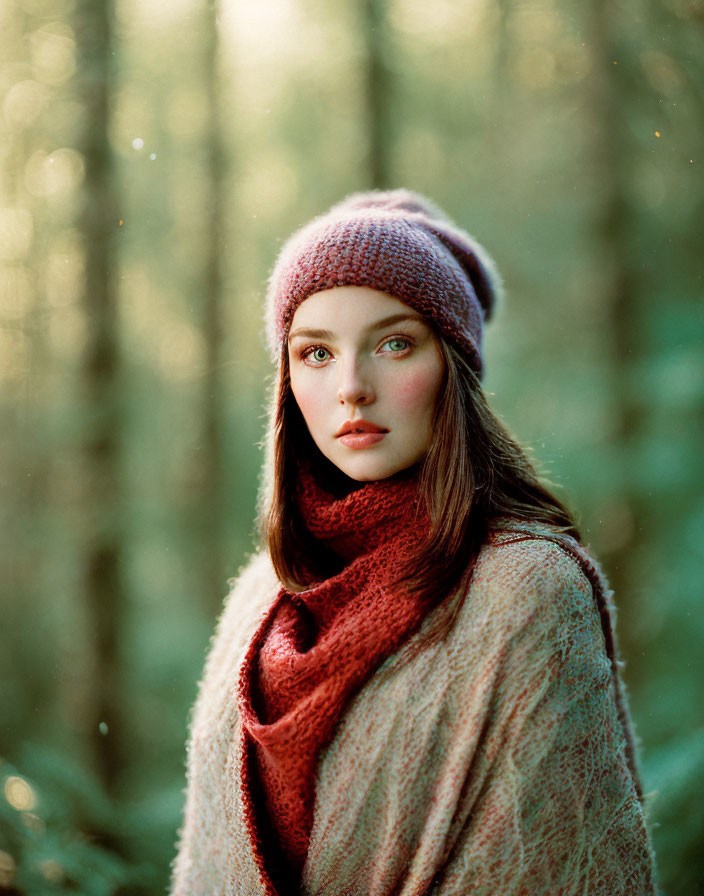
x=397, y=242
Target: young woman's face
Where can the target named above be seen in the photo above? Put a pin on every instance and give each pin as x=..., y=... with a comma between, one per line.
x=366, y=373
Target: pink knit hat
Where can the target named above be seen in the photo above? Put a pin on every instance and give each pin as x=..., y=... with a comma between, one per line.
x=397, y=242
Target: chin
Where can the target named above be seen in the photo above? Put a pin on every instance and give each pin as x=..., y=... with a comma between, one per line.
x=368, y=469
x=367, y=477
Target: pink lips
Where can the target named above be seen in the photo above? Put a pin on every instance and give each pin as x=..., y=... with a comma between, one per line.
x=360, y=434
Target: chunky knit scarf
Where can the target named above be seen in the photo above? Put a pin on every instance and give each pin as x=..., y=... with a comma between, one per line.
x=316, y=648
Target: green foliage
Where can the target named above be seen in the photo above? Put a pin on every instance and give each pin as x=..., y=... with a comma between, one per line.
x=676, y=770
x=60, y=831
x=65, y=835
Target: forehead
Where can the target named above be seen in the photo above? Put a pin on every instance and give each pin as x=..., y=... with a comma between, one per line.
x=349, y=306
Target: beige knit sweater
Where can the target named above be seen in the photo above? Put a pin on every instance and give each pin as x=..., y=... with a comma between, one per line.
x=489, y=760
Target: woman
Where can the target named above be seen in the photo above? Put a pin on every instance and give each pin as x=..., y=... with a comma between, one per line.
x=414, y=687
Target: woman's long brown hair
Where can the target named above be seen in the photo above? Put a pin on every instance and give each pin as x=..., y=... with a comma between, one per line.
x=474, y=474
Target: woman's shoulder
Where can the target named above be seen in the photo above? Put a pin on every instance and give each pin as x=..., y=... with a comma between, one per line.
x=256, y=573
x=527, y=568
x=525, y=545
x=250, y=593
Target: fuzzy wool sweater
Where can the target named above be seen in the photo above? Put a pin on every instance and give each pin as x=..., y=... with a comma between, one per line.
x=492, y=756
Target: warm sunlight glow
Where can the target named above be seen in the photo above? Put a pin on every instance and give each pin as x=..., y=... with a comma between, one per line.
x=438, y=22
x=261, y=29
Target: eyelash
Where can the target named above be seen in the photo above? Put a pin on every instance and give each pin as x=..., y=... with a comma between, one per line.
x=308, y=351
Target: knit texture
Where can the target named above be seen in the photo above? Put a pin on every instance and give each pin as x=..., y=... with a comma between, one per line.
x=493, y=759
x=396, y=242
x=316, y=648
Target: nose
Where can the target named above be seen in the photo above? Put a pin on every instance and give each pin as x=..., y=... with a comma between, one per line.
x=354, y=387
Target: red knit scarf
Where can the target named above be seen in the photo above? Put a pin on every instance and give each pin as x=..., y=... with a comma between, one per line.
x=316, y=648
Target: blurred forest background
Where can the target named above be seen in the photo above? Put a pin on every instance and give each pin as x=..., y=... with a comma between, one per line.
x=153, y=156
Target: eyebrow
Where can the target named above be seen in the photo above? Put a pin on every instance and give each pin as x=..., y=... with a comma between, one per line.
x=309, y=333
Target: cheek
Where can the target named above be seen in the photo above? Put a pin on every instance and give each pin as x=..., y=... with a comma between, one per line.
x=418, y=391
x=310, y=399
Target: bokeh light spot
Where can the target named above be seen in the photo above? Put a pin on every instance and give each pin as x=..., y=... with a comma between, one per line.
x=19, y=794
x=55, y=174
x=7, y=868
x=52, y=871
x=53, y=53
x=24, y=102
x=16, y=232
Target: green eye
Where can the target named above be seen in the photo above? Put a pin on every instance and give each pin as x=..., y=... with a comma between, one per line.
x=318, y=355
x=397, y=344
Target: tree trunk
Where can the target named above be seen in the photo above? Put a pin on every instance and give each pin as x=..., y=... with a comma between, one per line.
x=213, y=479
x=378, y=48
x=24, y=449
x=612, y=239
x=498, y=111
x=103, y=545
